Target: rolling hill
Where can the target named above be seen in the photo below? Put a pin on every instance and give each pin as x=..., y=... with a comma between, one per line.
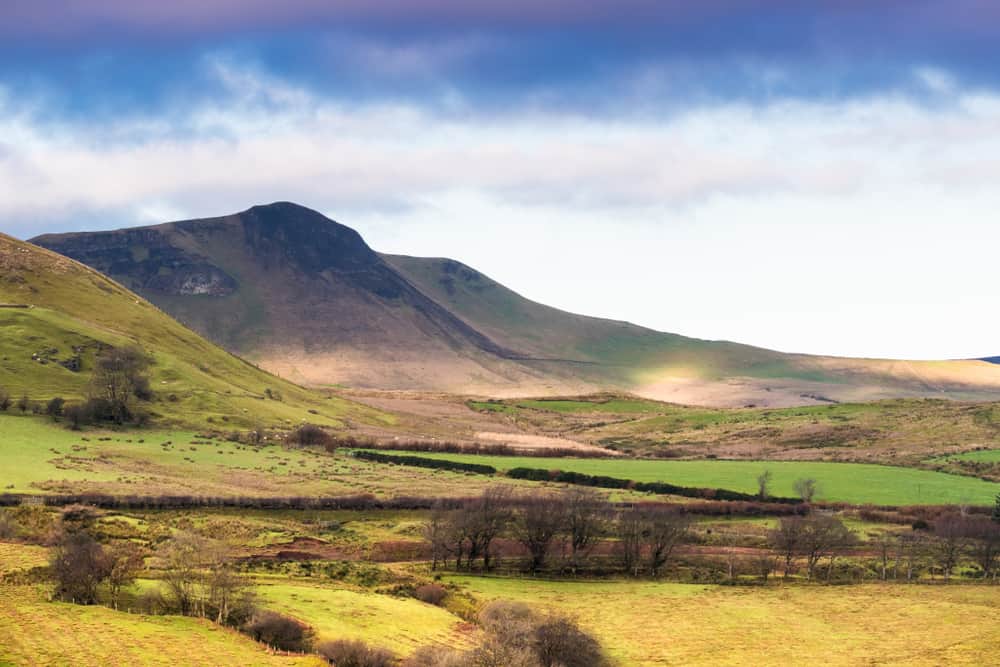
x=308, y=299
x=56, y=313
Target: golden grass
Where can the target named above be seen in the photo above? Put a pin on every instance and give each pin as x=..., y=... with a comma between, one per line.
x=643, y=623
x=36, y=632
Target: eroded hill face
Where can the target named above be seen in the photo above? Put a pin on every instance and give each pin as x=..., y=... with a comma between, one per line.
x=306, y=298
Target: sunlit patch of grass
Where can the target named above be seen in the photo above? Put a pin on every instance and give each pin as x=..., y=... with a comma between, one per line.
x=34, y=631
x=649, y=623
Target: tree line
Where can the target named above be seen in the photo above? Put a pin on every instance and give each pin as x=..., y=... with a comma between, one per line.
x=561, y=532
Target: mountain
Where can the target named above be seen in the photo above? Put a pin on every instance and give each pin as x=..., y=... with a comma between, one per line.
x=308, y=299
x=55, y=314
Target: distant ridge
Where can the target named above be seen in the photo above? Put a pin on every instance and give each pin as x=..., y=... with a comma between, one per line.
x=308, y=299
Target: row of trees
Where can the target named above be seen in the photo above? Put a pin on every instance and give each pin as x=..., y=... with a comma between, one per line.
x=576, y=519
x=643, y=539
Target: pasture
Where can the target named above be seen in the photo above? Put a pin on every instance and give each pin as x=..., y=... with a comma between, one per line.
x=34, y=631
x=649, y=623
x=39, y=456
x=857, y=483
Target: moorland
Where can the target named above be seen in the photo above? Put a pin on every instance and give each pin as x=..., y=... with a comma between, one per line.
x=164, y=501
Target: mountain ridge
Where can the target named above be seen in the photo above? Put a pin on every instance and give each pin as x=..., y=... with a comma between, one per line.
x=306, y=297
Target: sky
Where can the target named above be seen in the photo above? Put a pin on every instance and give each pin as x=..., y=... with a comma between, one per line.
x=807, y=176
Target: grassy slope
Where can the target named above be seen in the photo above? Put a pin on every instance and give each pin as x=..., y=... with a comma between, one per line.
x=39, y=456
x=906, y=432
x=674, y=367
x=36, y=632
x=399, y=624
x=838, y=482
x=645, y=624
x=75, y=306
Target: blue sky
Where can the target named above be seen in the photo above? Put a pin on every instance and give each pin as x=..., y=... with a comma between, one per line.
x=806, y=176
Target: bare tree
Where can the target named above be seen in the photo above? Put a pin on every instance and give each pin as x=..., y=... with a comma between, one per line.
x=484, y=518
x=952, y=537
x=786, y=540
x=436, y=533
x=585, y=522
x=665, y=530
x=184, y=559
x=229, y=594
x=764, y=484
x=630, y=528
x=79, y=565
x=539, y=520
x=806, y=488
x=822, y=536
x=763, y=565
x=119, y=378
x=984, y=536
x=912, y=550
x=125, y=561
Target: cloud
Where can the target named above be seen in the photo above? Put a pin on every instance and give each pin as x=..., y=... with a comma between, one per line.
x=264, y=138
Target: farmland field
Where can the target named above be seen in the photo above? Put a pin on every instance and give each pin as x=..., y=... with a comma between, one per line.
x=62, y=634
x=838, y=482
x=645, y=624
x=39, y=456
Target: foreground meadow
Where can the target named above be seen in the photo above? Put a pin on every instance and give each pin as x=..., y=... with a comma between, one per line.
x=649, y=623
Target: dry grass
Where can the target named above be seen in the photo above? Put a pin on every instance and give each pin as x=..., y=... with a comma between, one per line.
x=36, y=632
x=656, y=624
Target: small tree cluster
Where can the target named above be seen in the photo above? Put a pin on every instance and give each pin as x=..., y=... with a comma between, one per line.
x=575, y=520
x=81, y=566
x=812, y=538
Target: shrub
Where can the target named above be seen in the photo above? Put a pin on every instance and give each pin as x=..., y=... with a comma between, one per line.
x=559, y=641
x=353, y=653
x=279, y=632
x=310, y=434
x=54, y=407
x=431, y=594
x=4, y=400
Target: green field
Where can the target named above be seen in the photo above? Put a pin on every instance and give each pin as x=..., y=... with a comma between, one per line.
x=647, y=623
x=37, y=456
x=857, y=483
x=983, y=456
x=399, y=624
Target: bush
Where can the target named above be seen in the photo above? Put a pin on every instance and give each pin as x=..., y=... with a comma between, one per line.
x=4, y=400
x=348, y=653
x=54, y=408
x=310, y=434
x=431, y=594
x=280, y=632
x=559, y=641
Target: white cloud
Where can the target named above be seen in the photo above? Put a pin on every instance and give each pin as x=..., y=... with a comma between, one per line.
x=855, y=227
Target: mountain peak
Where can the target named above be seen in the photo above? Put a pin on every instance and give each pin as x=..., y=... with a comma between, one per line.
x=310, y=239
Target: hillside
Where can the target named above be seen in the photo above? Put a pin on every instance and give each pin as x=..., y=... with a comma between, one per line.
x=56, y=314
x=306, y=298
